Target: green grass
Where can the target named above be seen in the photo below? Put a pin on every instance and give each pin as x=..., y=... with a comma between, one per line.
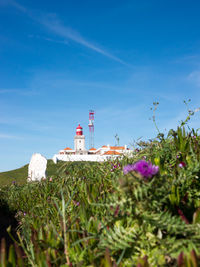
x=92, y=214
x=20, y=175
x=95, y=214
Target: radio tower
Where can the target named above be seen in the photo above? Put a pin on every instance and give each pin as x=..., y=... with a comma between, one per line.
x=91, y=128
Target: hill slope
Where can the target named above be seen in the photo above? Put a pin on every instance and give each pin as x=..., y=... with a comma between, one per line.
x=20, y=175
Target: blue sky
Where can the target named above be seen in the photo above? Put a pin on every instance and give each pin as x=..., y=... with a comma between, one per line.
x=58, y=59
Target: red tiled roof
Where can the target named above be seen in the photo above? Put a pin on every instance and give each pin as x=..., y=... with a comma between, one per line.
x=117, y=147
x=104, y=146
x=67, y=148
x=93, y=148
x=112, y=153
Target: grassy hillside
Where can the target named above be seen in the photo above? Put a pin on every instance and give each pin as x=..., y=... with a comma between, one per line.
x=142, y=210
x=20, y=175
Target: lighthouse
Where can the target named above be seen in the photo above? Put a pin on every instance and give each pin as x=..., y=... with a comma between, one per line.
x=79, y=153
x=79, y=141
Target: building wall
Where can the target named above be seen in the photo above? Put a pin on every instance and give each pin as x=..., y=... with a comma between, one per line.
x=79, y=143
x=98, y=158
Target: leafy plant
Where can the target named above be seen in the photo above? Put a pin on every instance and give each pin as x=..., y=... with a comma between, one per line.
x=96, y=214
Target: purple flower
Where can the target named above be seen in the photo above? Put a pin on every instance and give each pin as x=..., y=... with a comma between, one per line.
x=181, y=164
x=128, y=168
x=76, y=203
x=13, y=182
x=114, y=166
x=146, y=169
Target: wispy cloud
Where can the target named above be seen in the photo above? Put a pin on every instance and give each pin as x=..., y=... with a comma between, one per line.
x=14, y=4
x=24, y=92
x=5, y=91
x=8, y=136
x=31, y=120
x=53, y=24
x=195, y=77
x=48, y=39
x=187, y=59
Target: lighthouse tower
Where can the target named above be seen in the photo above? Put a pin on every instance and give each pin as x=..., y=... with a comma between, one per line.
x=79, y=141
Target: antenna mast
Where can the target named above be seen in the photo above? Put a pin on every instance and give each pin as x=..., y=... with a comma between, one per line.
x=91, y=128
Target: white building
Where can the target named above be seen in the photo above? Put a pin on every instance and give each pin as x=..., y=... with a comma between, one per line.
x=80, y=153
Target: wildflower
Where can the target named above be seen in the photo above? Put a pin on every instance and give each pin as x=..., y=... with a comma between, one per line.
x=128, y=168
x=76, y=203
x=14, y=182
x=117, y=211
x=50, y=179
x=146, y=169
x=157, y=161
x=182, y=164
x=114, y=166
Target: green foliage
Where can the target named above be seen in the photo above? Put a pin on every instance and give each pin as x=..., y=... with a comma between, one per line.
x=92, y=214
x=19, y=176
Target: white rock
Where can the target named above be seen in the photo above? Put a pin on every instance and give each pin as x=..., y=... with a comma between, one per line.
x=37, y=168
x=55, y=159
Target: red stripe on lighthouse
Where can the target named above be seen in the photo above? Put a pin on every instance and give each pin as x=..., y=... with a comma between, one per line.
x=79, y=130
